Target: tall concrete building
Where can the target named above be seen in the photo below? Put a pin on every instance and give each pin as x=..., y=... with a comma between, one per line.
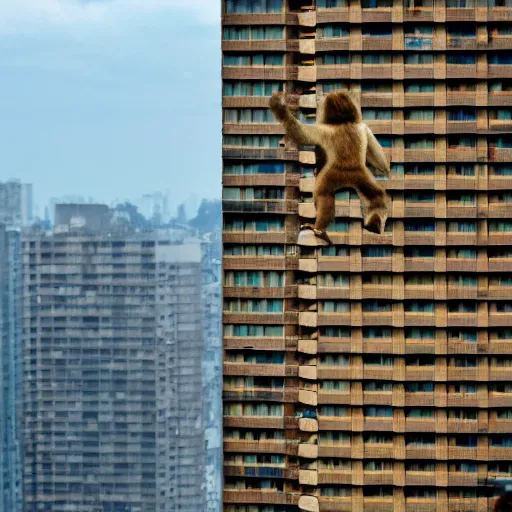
x=112, y=368
x=373, y=375
x=10, y=370
x=16, y=203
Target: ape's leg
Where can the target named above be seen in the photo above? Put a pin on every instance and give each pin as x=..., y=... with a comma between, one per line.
x=327, y=183
x=373, y=196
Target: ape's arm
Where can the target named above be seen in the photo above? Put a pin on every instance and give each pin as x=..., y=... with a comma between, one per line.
x=375, y=155
x=300, y=133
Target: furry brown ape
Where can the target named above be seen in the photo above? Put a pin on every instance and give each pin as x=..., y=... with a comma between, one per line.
x=348, y=145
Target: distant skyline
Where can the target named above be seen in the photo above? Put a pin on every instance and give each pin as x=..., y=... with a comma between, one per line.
x=111, y=99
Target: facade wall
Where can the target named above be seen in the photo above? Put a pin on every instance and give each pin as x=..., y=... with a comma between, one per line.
x=372, y=375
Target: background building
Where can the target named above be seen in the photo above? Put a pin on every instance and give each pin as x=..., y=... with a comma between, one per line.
x=374, y=375
x=16, y=204
x=10, y=369
x=112, y=367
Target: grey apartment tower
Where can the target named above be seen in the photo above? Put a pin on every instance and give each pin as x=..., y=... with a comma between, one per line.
x=112, y=368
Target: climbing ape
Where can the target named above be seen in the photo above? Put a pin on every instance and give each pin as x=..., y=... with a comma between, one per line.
x=348, y=145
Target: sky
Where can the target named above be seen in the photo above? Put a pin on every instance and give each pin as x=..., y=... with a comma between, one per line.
x=111, y=99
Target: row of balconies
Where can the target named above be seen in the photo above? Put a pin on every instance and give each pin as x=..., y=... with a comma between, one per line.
x=357, y=42
x=483, y=181
x=397, y=99
x=358, y=71
x=356, y=263
x=357, y=370
x=397, y=154
x=313, y=503
x=398, y=237
x=355, y=14
x=356, y=448
x=395, y=127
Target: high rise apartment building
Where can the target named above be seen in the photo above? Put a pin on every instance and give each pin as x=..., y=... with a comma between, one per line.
x=373, y=375
x=16, y=205
x=112, y=368
x=10, y=370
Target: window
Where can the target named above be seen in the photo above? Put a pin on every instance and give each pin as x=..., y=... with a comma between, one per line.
x=462, y=227
x=385, y=141
x=461, y=170
x=419, y=197
x=377, y=252
x=248, y=115
x=370, y=333
x=462, y=114
x=253, y=6
x=265, y=225
x=331, y=4
x=419, y=413
x=333, y=410
x=419, y=59
x=376, y=306
x=254, y=305
x=272, y=331
x=334, y=250
x=334, y=385
x=334, y=59
x=255, y=357
x=256, y=59
x=419, y=307
x=335, y=332
x=260, y=168
x=378, y=439
x=462, y=414
x=419, y=387
x=377, y=279
x=501, y=170
x=378, y=386
x=419, y=115
x=334, y=360
x=461, y=58
x=338, y=226
x=378, y=412
x=246, y=88
x=420, y=493
x=241, y=33
x=464, y=362
x=334, y=306
x=378, y=465
x=420, y=360
x=419, y=143
x=418, y=440
x=500, y=227
x=462, y=307
x=377, y=58
x=377, y=4
x=461, y=142
x=252, y=193
x=377, y=115
x=333, y=438
x=253, y=250
x=460, y=4
x=378, y=360
x=462, y=336
x=462, y=389
x=419, y=87
x=417, y=333
x=329, y=280
x=425, y=226
x=504, y=414
x=252, y=141
x=377, y=30
x=338, y=492
x=420, y=467
x=253, y=409
x=419, y=252
x=501, y=441
x=500, y=59
x=334, y=31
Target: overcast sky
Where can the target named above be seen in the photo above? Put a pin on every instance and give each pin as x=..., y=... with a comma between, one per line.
x=111, y=98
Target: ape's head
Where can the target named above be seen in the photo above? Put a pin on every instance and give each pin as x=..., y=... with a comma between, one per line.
x=339, y=108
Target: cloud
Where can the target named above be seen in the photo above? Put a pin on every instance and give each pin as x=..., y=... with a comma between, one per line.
x=27, y=16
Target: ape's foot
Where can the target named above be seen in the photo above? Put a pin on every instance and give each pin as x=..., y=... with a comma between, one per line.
x=311, y=237
x=375, y=223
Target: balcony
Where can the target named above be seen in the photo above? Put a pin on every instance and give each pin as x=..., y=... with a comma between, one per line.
x=419, y=399
x=254, y=292
x=259, y=72
x=378, y=477
x=332, y=72
x=420, y=478
x=255, y=206
x=380, y=504
x=370, y=99
x=243, y=446
x=419, y=99
x=418, y=71
x=461, y=71
x=268, y=496
x=455, y=98
x=419, y=319
x=379, y=451
x=420, y=425
x=260, y=262
x=418, y=14
x=335, y=504
x=420, y=452
x=334, y=423
x=377, y=71
x=242, y=153
x=266, y=422
x=412, y=126
x=337, y=477
x=413, y=291
x=260, y=19
x=259, y=471
x=336, y=15
x=419, y=155
x=257, y=370
x=336, y=451
x=378, y=424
